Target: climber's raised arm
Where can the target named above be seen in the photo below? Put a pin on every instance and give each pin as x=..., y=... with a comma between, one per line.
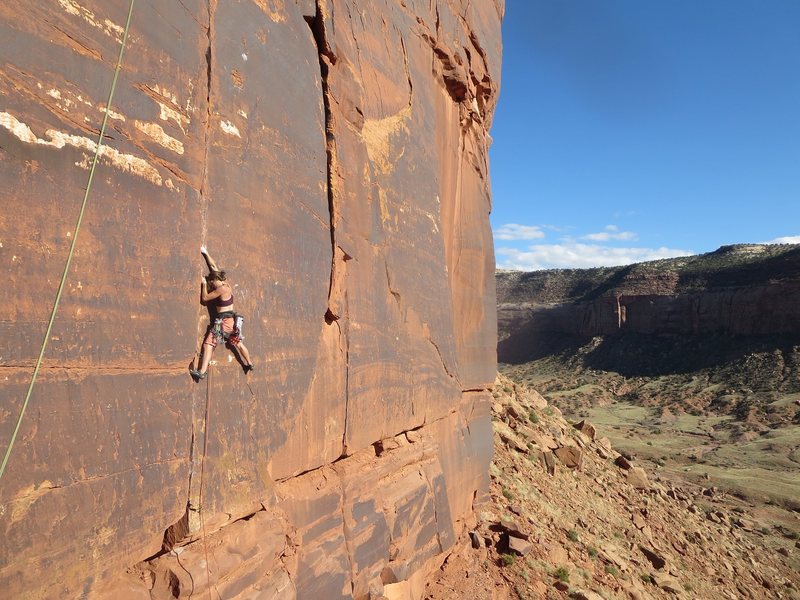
x=212, y=266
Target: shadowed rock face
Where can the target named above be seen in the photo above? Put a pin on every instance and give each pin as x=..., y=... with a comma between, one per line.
x=333, y=157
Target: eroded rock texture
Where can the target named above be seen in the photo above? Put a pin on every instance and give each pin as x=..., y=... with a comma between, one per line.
x=333, y=156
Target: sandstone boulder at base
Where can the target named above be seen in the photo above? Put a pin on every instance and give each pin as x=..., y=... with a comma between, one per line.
x=570, y=456
x=518, y=545
x=586, y=429
x=622, y=462
x=637, y=477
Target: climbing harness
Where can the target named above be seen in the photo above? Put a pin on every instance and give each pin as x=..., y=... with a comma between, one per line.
x=228, y=337
x=72, y=246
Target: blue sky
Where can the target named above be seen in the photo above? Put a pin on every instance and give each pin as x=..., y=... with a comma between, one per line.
x=630, y=130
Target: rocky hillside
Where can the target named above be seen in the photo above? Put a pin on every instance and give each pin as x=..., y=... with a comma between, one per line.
x=332, y=155
x=714, y=329
x=571, y=517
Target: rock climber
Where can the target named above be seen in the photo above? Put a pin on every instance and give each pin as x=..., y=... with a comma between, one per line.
x=215, y=289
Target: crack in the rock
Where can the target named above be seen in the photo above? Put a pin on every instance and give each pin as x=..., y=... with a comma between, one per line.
x=191, y=15
x=327, y=59
x=339, y=258
x=204, y=231
x=435, y=508
x=407, y=70
x=441, y=358
x=207, y=132
x=76, y=43
x=347, y=534
x=53, y=486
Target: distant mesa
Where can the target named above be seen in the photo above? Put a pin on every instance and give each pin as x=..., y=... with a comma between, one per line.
x=738, y=290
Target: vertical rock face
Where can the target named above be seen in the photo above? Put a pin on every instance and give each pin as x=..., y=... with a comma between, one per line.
x=333, y=156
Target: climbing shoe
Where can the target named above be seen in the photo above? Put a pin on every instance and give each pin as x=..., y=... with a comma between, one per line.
x=248, y=368
x=197, y=374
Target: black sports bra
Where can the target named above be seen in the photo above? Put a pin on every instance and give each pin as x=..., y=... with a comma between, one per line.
x=228, y=302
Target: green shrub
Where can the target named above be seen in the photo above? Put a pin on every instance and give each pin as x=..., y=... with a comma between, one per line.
x=533, y=417
x=612, y=570
x=508, y=559
x=592, y=551
x=562, y=574
x=509, y=495
x=573, y=535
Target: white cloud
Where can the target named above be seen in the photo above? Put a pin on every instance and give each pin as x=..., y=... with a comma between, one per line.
x=789, y=239
x=611, y=232
x=513, y=231
x=578, y=256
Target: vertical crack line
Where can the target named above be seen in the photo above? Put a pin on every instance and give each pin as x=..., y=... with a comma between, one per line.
x=347, y=533
x=408, y=72
x=336, y=305
x=424, y=474
x=212, y=4
x=346, y=378
x=203, y=193
x=327, y=58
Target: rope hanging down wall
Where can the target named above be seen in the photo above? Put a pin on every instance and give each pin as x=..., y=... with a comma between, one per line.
x=72, y=246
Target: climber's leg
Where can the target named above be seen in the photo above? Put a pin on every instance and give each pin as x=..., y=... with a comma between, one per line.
x=209, y=343
x=245, y=354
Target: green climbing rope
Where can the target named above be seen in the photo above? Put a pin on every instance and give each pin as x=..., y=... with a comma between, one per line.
x=72, y=246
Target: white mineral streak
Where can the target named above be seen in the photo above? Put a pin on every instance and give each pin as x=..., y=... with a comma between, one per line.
x=127, y=163
x=63, y=103
x=168, y=113
x=66, y=100
x=155, y=132
x=108, y=27
x=120, y=31
x=17, y=128
x=230, y=128
x=161, y=91
x=112, y=114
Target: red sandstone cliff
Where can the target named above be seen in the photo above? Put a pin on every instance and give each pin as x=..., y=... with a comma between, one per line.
x=333, y=156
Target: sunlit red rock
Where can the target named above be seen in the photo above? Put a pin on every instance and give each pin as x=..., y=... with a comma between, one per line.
x=333, y=157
